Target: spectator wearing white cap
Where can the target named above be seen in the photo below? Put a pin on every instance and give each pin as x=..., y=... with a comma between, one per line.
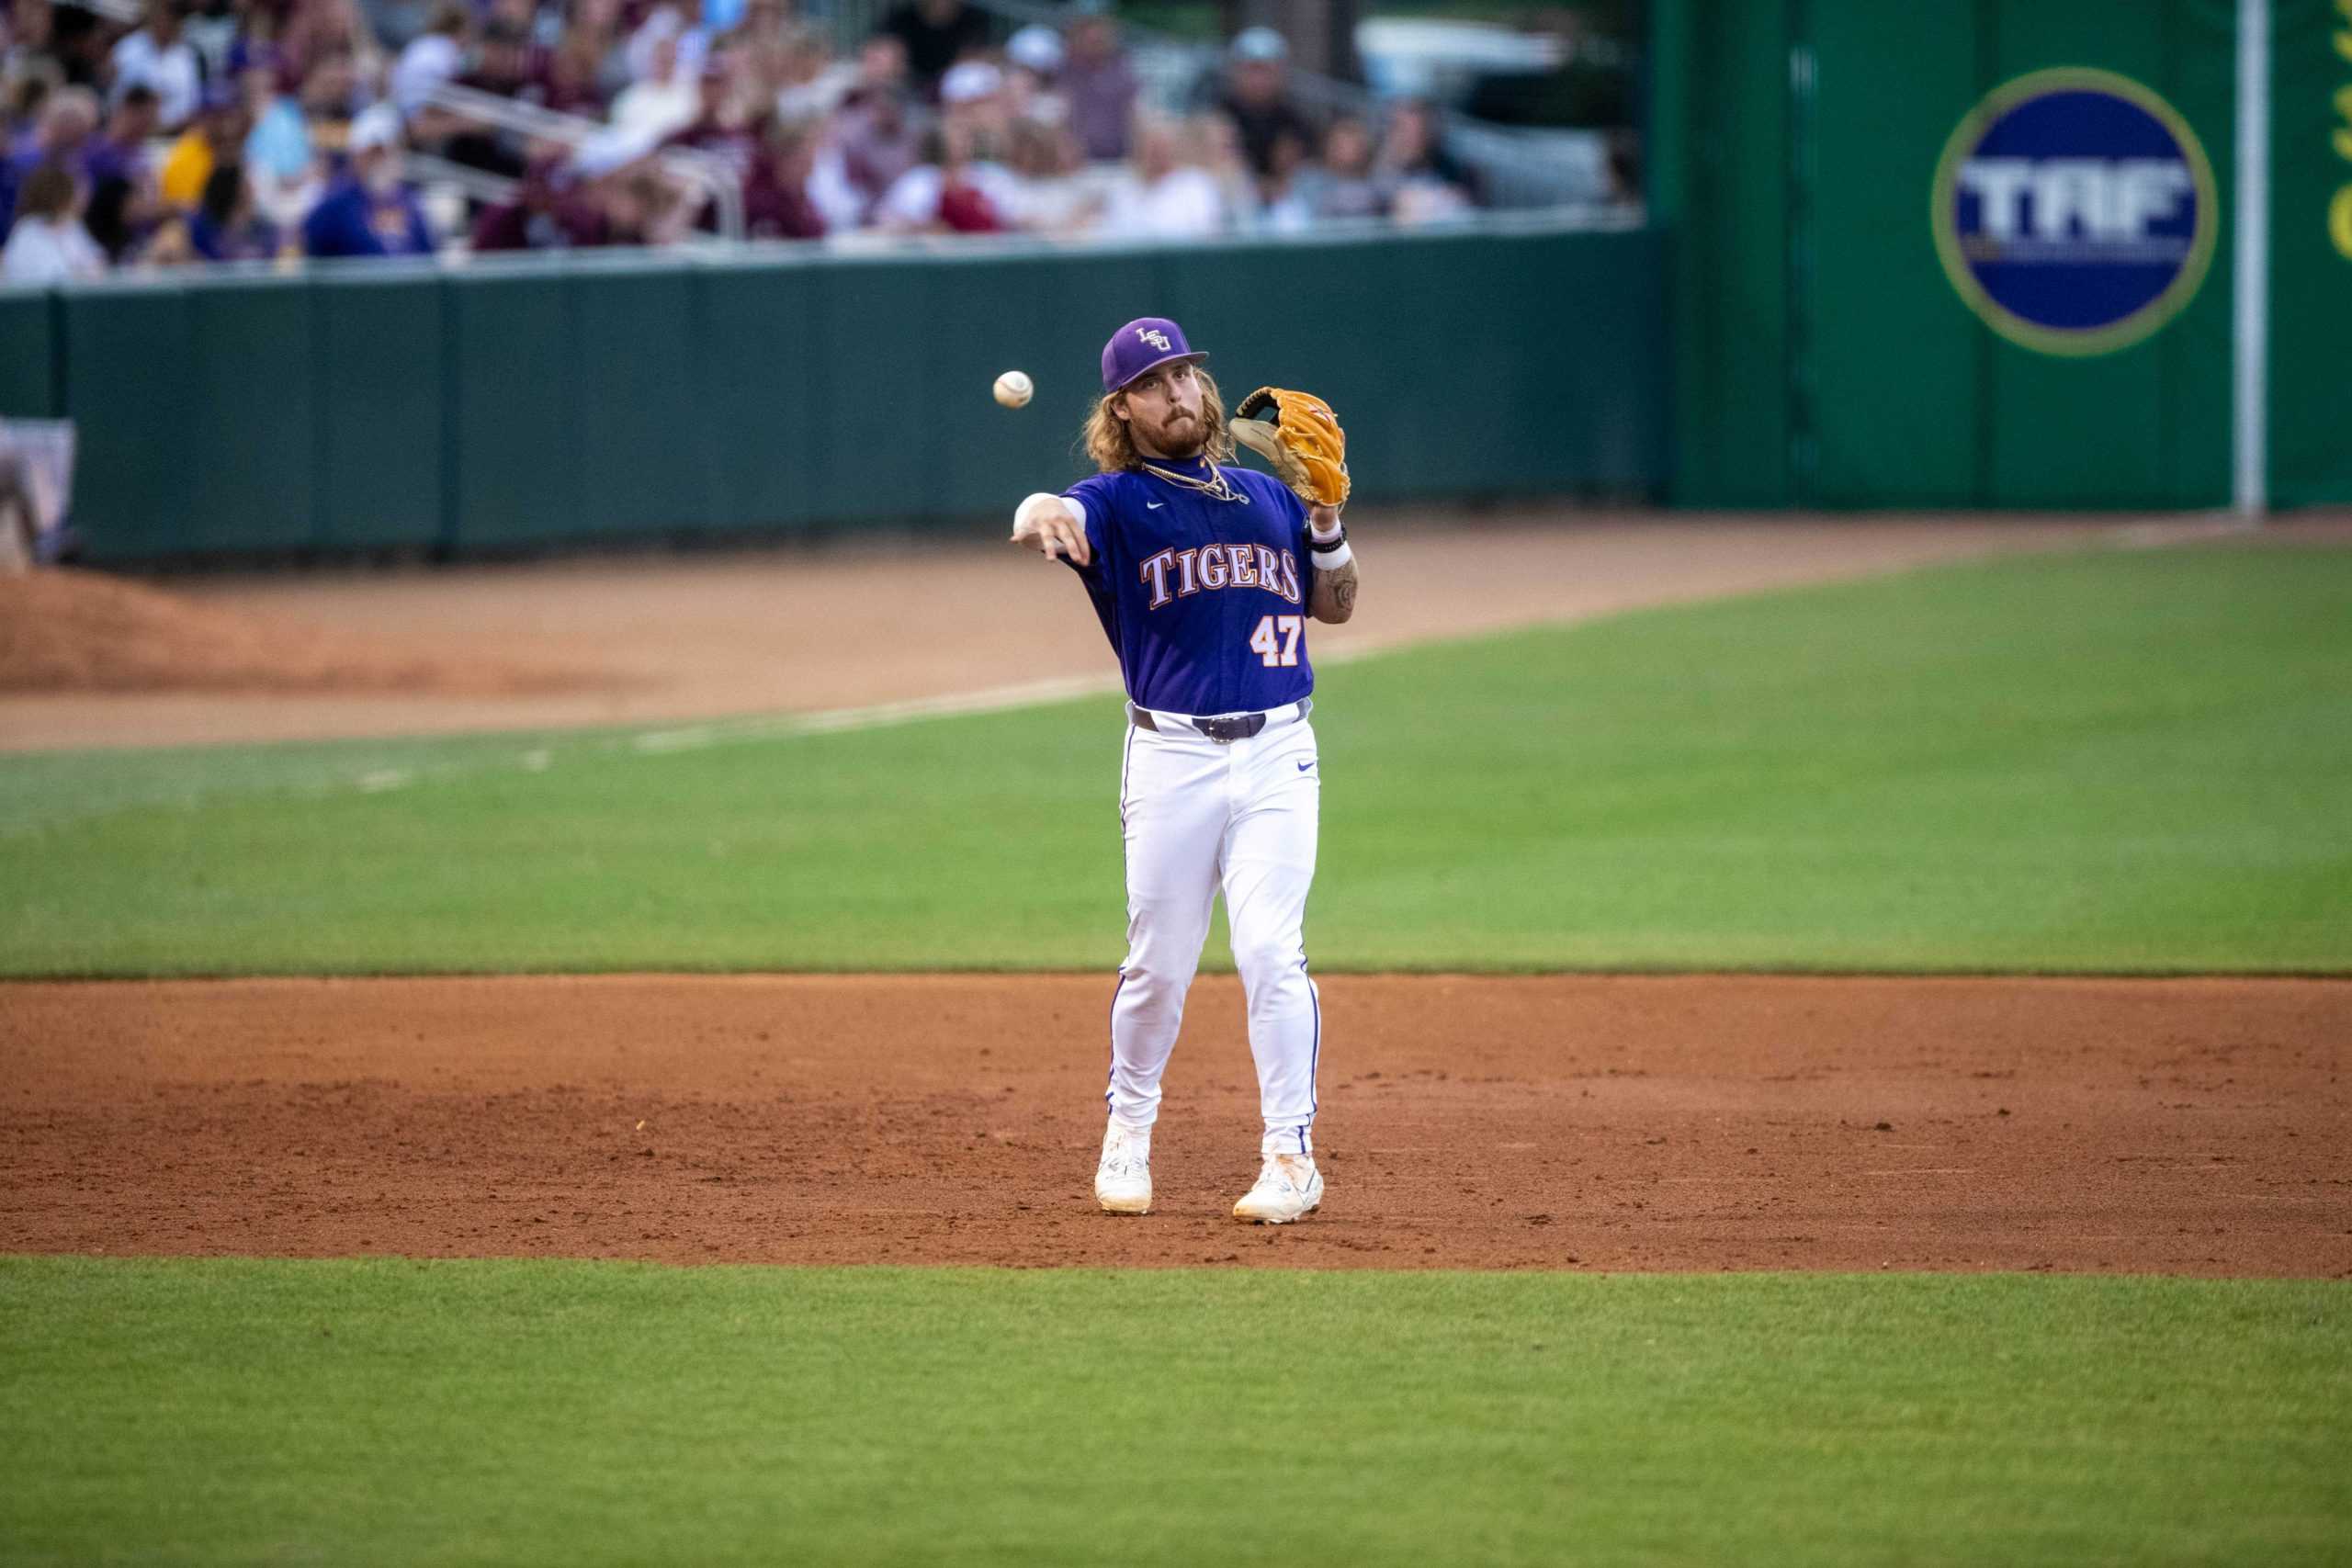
x=1036, y=48
x=1257, y=97
x=972, y=94
x=371, y=210
x=1033, y=58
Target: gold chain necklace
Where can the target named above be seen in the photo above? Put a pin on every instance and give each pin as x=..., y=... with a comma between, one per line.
x=1216, y=487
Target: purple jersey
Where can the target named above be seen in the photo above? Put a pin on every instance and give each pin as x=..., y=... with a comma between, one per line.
x=1203, y=601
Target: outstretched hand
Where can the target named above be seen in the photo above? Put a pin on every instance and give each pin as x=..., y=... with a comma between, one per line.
x=1046, y=524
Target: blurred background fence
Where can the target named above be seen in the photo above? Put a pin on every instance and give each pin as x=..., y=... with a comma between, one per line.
x=540, y=402
x=1770, y=326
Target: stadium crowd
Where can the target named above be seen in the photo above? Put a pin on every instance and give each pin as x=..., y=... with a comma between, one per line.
x=251, y=129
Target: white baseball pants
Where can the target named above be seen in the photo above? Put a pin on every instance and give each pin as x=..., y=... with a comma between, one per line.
x=1199, y=816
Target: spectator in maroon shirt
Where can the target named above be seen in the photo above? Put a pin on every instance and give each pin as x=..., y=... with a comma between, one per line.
x=549, y=212
x=776, y=195
x=881, y=69
x=723, y=125
x=573, y=83
x=507, y=62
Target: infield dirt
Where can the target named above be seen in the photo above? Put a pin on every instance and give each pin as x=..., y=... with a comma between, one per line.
x=2194, y=1126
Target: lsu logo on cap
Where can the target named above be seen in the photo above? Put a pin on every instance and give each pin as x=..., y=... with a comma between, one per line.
x=1155, y=337
x=2075, y=211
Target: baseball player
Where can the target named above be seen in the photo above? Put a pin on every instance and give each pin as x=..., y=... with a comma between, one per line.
x=1205, y=574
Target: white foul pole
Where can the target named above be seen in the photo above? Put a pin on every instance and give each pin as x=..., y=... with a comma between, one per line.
x=2253, y=260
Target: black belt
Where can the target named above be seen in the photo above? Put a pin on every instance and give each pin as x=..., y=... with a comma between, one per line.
x=1228, y=729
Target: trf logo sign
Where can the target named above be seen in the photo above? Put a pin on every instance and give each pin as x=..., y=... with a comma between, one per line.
x=2075, y=211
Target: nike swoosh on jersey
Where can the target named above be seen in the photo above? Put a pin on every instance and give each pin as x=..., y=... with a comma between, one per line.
x=1153, y=505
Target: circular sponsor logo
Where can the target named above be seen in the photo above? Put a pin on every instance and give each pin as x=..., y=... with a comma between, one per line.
x=2075, y=211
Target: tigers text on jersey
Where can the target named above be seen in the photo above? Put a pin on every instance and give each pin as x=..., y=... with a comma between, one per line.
x=1205, y=601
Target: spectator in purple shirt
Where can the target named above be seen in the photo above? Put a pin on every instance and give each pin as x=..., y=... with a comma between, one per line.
x=370, y=211
x=69, y=117
x=1101, y=88
x=226, y=228
x=120, y=150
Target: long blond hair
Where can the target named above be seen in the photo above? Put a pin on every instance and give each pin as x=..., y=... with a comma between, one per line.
x=1112, y=445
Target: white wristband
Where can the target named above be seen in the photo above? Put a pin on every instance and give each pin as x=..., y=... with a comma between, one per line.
x=1325, y=535
x=1331, y=561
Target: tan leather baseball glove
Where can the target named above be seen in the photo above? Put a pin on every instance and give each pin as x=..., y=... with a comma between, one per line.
x=1299, y=437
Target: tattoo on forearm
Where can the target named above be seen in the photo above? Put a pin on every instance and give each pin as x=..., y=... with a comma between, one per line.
x=1335, y=594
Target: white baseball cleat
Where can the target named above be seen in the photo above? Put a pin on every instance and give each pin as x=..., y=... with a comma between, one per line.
x=1123, y=1180
x=1287, y=1188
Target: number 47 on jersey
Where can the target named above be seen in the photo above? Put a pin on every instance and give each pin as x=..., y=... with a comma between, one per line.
x=1276, y=639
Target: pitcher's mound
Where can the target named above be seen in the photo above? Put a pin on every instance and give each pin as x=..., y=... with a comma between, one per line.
x=64, y=630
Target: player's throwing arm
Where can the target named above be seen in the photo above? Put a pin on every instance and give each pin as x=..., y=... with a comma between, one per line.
x=1205, y=575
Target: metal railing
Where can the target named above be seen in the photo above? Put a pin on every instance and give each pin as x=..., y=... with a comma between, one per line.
x=701, y=170
x=476, y=185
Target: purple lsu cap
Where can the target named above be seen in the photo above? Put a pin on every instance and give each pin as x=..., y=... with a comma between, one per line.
x=1140, y=346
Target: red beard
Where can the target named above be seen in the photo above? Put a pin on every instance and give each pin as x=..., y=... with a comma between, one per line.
x=1182, y=436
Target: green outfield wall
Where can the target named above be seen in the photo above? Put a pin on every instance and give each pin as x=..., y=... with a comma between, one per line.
x=1826, y=351
x=2311, y=240
x=515, y=405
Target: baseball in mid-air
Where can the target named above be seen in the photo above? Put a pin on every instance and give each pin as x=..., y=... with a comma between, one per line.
x=1014, y=389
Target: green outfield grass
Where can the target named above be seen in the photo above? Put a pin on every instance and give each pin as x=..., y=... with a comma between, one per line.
x=2112, y=761
x=571, y=1413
